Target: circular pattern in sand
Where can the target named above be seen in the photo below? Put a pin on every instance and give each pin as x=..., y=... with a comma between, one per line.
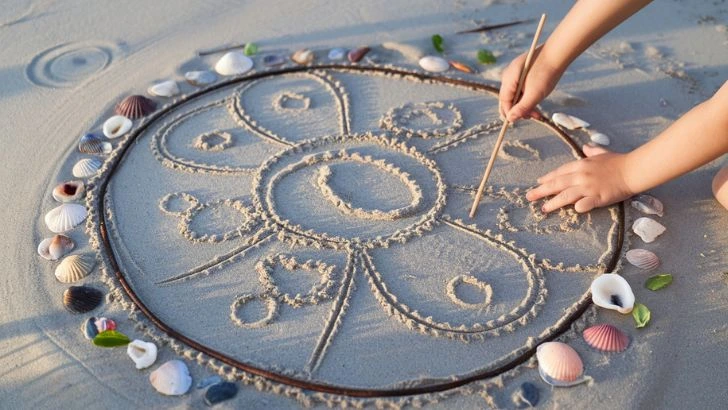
x=69, y=64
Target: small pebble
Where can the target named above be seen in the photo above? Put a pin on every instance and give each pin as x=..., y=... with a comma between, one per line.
x=220, y=392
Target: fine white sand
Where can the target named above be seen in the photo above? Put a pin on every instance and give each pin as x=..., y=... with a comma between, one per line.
x=402, y=289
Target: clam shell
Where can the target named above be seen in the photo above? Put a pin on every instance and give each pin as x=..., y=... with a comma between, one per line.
x=599, y=138
x=69, y=191
x=135, y=106
x=568, y=121
x=74, y=268
x=91, y=144
x=648, y=204
x=233, y=63
x=65, y=217
x=166, y=89
x=357, y=54
x=200, y=78
x=606, y=338
x=220, y=392
x=86, y=167
x=303, y=57
x=103, y=324
x=409, y=51
x=54, y=248
x=88, y=328
x=559, y=364
x=82, y=299
x=116, y=126
x=461, y=66
x=337, y=53
x=171, y=379
x=611, y=291
x=648, y=229
x=273, y=60
x=643, y=259
x=144, y=354
x=434, y=64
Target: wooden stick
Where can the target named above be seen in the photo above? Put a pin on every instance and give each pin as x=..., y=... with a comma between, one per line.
x=499, y=141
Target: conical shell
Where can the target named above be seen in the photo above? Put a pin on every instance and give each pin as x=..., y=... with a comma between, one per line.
x=357, y=54
x=568, y=121
x=69, y=191
x=434, y=64
x=647, y=229
x=233, y=63
x=87, y=167
x=643, y=259
x=82, y=299
x=91, y=144
x=74, y=268
x=303, y=57
x=116, y=126
x=54, y=248
x=559, y=364
x=172, y=378
x=165, y=89
x=200, y=78
x=135, y=106
x=606, y=338
x=144, y=354
x=611, y=291
x=65, y=217
x=648, y=204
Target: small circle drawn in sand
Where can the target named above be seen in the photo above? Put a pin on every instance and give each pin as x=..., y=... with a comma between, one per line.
x=68, y=64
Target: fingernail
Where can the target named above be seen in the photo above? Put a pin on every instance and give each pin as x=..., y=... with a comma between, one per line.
x=591, y=144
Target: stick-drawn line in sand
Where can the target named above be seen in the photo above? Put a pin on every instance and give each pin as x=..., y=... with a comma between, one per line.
x=68, y=64
x=271, y=305
x=471, y=133
x=320, y=290
x=268, y=379
x=510, y=150
x=397, y=119
x=461, y=280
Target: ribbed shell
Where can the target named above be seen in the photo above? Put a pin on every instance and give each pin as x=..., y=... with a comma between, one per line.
x=91, y=144
x=69, y=191
x=648, y=204
x=135, y=106
x=559, y=362
x=643, y=259
x=87, y=167
x=606, y=338
x=65, y=217
x=74, y=268
x=54, y=248
x=82, y=299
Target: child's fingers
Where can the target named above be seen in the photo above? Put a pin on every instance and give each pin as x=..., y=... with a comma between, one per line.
x=586, y=204
x=562, y=170
x=526, y=105
x=565, y=197
x=551, y=187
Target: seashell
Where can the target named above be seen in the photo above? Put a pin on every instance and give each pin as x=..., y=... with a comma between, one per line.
x=54, y=248
x=233, y=63
x=611, y=291
x=526, y=396
x=337, y=53
x=357, y=54
x=434, y=64
x=303, y=57
x=135, y=106
x=460, y=66
x=200, y=78
x=606, y=338
x=74, y=268
x=89, y=328
x=273, y=60
x=167, y=89
x=171, y=379
x=65, y=217
x=87, y=167
x=103, y=324
x=91, y=144
x=559, y=364
x=648, y=229
x=410, y=52
x=82, y=299
x=643, y=259
x=568, y=121
x=220, y=392
x=69, y=191
x=144, y=354
x=116, y=126
x=648, y=204
x=599, y=138
x=209, y=381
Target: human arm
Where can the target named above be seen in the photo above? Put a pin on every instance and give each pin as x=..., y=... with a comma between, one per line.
x=586, y=22
x=695, y=139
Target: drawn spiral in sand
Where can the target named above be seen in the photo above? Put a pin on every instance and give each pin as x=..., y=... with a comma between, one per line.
x=68, y=65
x=334, y=231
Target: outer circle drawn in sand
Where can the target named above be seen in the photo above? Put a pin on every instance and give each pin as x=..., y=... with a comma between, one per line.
x=105, y=247
x=68, y=64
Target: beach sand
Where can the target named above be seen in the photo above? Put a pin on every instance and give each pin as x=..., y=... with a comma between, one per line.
x=403, y=291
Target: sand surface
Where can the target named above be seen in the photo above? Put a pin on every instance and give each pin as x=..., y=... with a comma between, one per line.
x=367, y=176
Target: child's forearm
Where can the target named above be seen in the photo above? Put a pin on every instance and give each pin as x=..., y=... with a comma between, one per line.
x=695, y=139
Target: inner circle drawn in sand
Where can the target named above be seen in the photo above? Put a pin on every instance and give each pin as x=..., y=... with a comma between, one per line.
x=323, y=243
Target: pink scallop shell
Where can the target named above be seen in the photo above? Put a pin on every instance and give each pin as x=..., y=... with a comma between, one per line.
x=643, y=259
x=559, y=364
x=606, y=338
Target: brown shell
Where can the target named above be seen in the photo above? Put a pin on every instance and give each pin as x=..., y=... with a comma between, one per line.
x=69, y=191
x=135, y=106
x=460, y=66
x=357, y=54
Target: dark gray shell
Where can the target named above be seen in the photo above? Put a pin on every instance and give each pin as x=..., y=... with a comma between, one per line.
x=89, y=328
x=220, y=392
x=526, y=396
x=82, y=299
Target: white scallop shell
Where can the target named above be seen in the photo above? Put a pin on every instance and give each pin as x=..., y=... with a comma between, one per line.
x=86, y=167
x=74, y=268
x=117, y=126
x=233, y=63
x=166, y=89
x=172, y=378
x=611, y=291
x=434, y=64
x=144, y=354
x=600, y=138
x=568, y=121
x=648, y=204
x=54, y=248
x=200, y=78
x=648, y=229
x=65, y=217
x=643, y=259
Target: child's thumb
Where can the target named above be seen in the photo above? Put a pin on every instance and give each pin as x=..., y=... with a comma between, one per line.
x=523, y=108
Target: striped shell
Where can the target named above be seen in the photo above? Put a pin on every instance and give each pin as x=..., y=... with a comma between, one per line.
x=135, y=106
x=54, y=248
x=82, y=299
x=65, y=217
x=648, y=204
x=69, y=191
x=91, y=144
x=643, y=259
x=568, y=121
x=559, y=364
x=606, y=338
x=117, y=126
x=87, y=167
x=74, y=268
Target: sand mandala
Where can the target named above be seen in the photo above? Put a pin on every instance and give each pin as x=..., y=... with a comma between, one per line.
x=301, y=227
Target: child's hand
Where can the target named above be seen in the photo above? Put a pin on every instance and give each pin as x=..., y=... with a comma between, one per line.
x=588, y=183
x=540, y=81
